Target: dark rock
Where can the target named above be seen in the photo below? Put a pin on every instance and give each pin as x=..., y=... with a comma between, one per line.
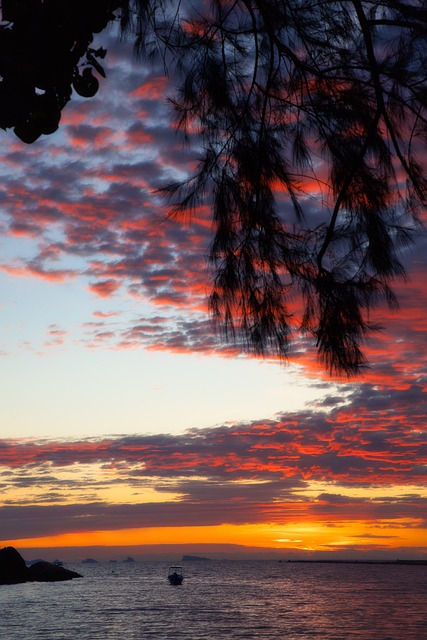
x=48, y=572
x=13, y=569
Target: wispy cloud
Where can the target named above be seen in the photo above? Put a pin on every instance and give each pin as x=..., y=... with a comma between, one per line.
x=306, y=465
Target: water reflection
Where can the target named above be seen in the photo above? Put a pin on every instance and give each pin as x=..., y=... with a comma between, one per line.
x=222, y=600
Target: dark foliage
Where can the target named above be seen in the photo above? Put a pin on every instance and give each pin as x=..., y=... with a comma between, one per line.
x=44, y=53
x=283, y=93
x=312, y=121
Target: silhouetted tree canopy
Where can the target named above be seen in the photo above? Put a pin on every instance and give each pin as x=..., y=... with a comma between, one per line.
x=311, y=118
x=44, y=53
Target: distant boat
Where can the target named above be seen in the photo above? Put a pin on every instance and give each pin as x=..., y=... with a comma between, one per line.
x=175, y=575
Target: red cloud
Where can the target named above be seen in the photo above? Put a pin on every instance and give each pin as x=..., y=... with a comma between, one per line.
x=104, y=288
x=54, y=275
x=153, y=89
x=346, y=445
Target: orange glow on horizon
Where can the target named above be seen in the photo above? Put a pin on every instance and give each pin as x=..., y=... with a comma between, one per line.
x=307, y=536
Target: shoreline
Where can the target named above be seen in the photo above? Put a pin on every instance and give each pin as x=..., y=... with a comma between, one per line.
x=391, y=562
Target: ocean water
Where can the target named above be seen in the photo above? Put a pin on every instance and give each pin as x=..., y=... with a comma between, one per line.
x=221, y=600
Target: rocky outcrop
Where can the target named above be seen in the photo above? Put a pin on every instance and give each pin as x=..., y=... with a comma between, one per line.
x=13, y=569
x=48, y=572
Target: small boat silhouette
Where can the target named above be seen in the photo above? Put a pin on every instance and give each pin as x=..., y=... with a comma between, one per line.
x=175, y=575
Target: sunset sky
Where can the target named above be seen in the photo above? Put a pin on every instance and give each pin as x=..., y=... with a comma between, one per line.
x=125, y=422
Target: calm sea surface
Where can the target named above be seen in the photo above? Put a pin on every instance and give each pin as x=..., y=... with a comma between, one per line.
x=254, y=600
